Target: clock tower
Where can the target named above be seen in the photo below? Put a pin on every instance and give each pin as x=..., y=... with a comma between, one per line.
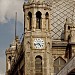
x=37, y=40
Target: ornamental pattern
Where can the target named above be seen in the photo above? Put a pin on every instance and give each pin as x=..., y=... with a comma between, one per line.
x=61, y=9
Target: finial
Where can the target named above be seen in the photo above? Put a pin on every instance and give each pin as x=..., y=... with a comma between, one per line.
x=68, y=20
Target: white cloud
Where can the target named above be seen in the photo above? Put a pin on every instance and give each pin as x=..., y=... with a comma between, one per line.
x=8, y=8
x=2, y=74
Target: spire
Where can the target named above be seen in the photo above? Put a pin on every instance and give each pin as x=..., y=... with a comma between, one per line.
x=15, y=24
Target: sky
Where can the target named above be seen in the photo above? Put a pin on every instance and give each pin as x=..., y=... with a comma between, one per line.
x=8, y=9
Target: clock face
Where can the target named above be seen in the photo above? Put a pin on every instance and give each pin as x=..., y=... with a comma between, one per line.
x=38, y=43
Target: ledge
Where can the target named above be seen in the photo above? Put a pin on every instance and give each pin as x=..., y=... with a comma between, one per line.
x=59, y=43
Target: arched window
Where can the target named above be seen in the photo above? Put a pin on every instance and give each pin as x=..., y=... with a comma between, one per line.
x=30, y=20
x=38, y=65
x=58, y=64
x=47, y=20
x=9, y=62
x=38, y=20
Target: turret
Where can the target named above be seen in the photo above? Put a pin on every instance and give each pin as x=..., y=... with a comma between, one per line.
x=37, y=39
x=31, y=1
x=11, y=54
x=67, y=27
x=36, y=16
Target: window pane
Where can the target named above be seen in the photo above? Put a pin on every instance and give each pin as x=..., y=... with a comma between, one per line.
x=58, y=64
x=38, y=20
x=38, y=65
x=62, y=62
x=56, y=69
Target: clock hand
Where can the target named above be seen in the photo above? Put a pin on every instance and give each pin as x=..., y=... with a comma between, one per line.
x=37, y=44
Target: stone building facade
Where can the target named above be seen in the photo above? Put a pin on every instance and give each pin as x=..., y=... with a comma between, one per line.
x=48, y=44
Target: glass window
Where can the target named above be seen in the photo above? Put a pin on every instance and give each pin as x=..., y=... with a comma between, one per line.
x=38, y=65
x=30, y=20
x=38, y=20
x=58, y=64
x=47, y=20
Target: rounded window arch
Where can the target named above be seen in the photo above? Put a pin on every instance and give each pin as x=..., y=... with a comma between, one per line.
x=38, y=20
x=38, y=65
x=9, y=58
x=47, y=15
x=58, y=64
x=47, y=20
x=30, y=20
x=9, y=62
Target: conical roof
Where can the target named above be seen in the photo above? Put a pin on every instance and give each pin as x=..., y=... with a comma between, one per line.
x=36, y=1
x=40, y=1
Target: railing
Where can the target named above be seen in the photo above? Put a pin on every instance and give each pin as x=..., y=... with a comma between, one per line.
x=68, y=67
